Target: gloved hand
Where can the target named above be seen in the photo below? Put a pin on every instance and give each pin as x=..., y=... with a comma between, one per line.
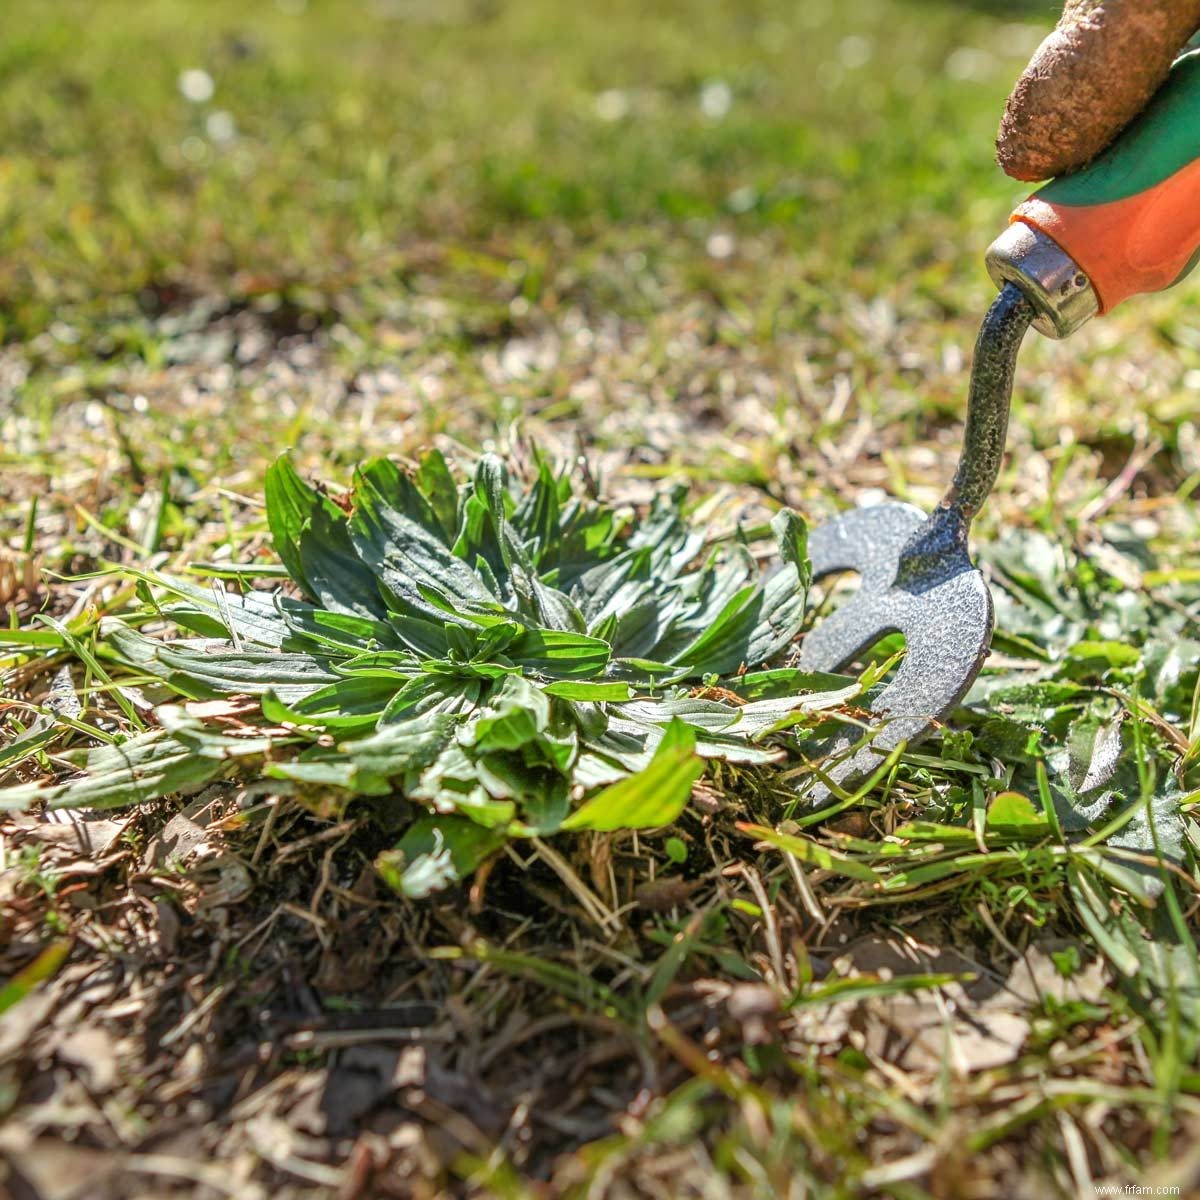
x=1088, y=80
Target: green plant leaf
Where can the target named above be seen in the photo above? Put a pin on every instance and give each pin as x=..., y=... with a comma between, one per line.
x=44, y=966
x=812, y=853
x=356, y=703
x=311, y=537
x=380, y=484
x=1015, y=814
x=588, y=692
x=146, y=767
x=438, y=487
x=322, y=630
x=414, y=567
x=655, y=796
x=515, y=716
x=724, y=642
x=436, y=853
x=401, y=747
x=445, y=646
x=202, y=674
x=556, y=653
x=785, y=597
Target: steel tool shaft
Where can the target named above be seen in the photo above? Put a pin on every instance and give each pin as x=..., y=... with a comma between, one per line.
x=1127, y=224
x=917, y=575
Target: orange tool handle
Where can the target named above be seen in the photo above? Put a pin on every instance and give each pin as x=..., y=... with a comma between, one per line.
x=1131, y=219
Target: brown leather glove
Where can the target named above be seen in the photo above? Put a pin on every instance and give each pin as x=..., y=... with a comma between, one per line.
x=1088, y=80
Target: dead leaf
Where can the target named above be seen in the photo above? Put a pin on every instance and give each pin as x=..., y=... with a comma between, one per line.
x=93, y=1051
x=223, y=881
x=181, y=839
x=754, y=1006
x=363, y=1077
x=168, y=927
x=19, y=1023
x=231, y=708
x=90, y=835
x=61, y=698
x=664, y=893
x=52, y=1169
x=918, y=1034
x=971, y=1026
x=1037, y=976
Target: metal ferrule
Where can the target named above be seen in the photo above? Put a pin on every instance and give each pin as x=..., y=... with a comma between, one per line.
x=1052, y=281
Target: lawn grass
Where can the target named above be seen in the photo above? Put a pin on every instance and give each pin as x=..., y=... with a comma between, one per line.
x=346, y=134
x=737, y=245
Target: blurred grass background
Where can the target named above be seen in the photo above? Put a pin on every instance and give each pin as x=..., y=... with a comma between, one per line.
x=340, y=135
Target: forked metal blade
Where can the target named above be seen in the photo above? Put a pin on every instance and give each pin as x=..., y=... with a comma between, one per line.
x=917, y=577
x=947, y=628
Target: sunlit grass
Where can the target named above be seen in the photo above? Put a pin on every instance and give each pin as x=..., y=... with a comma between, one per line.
x=737, y=244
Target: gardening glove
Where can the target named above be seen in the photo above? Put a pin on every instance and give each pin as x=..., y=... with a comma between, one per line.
x=1088, y=80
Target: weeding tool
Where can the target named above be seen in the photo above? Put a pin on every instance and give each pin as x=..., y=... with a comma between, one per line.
x=1127, y=224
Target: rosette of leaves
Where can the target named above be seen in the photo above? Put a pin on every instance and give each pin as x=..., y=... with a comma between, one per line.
x=487, y=661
